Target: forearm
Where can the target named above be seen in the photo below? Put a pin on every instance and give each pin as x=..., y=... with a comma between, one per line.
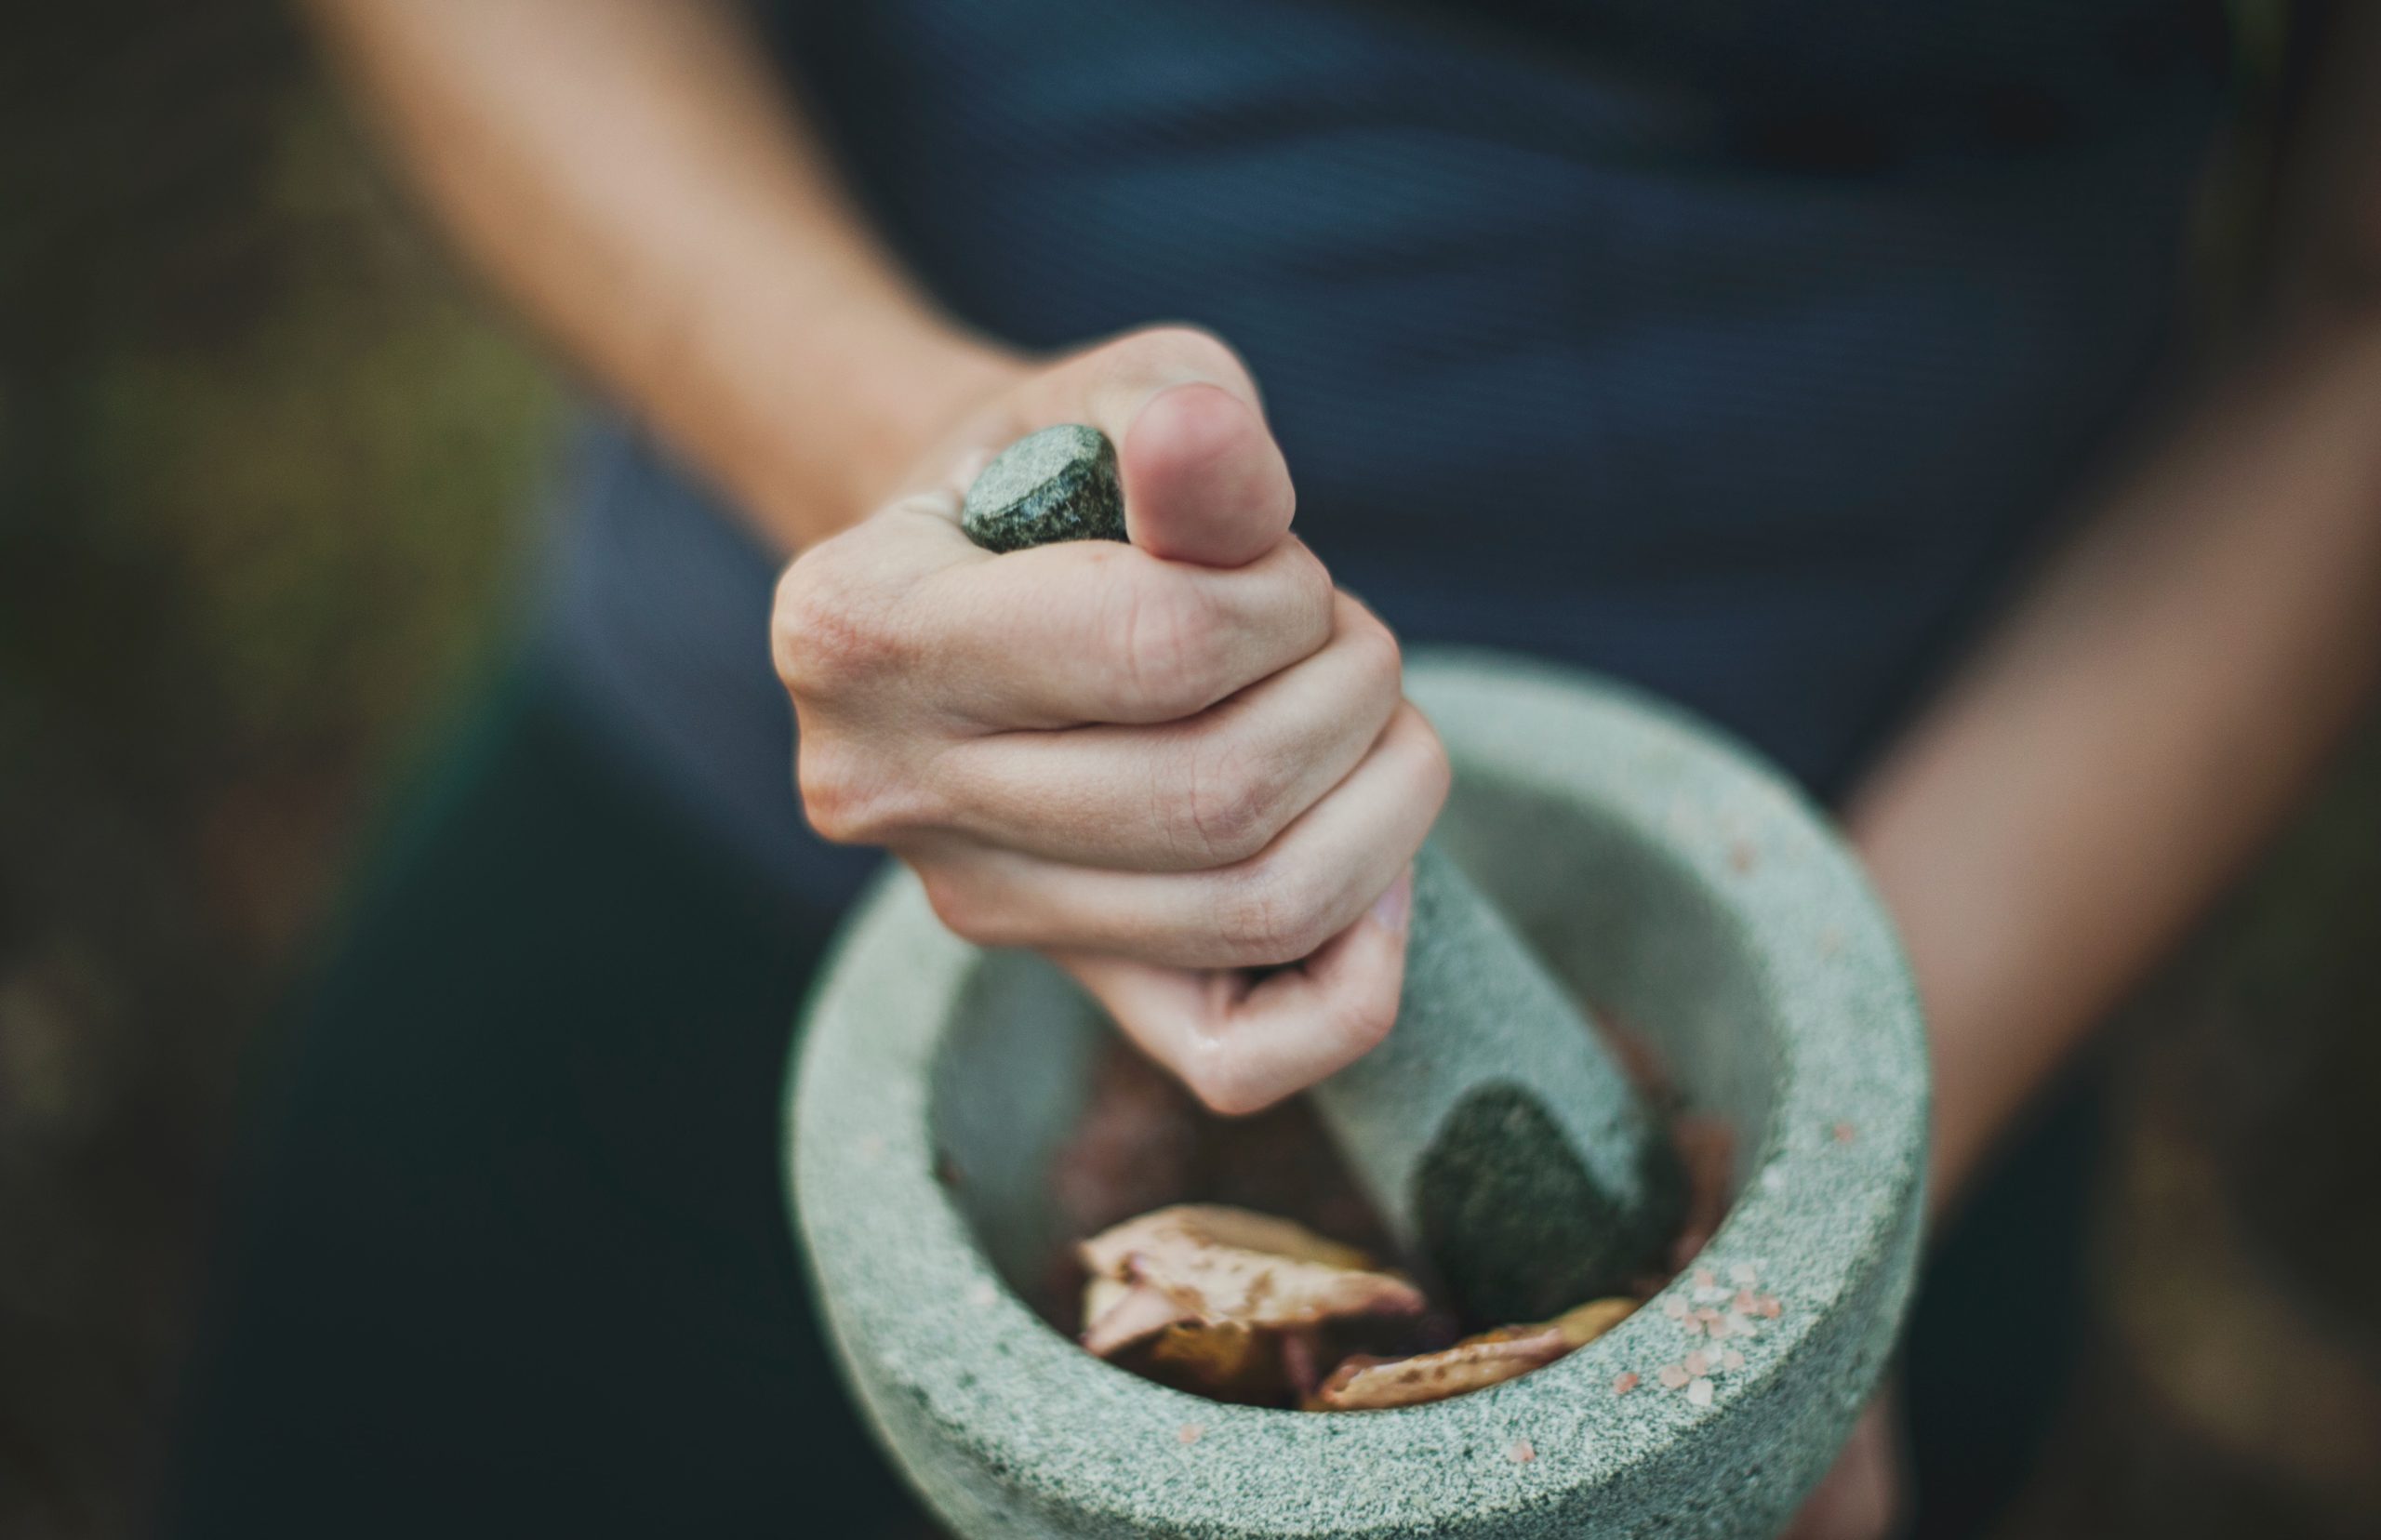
x=628, y=173
x=2135, y=729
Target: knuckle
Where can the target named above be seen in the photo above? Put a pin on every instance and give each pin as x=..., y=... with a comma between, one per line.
x=1190, y=350
x=1362, y=1023
x=1166, y=639
x=1229, y=805
x=1438, y=771
x=832, y=798
x=1382, y=661
x=958, y=906
x=1223, y=1080
x=1311, y=590
x=1271, y=914
x=826, y=635
x=849, y=801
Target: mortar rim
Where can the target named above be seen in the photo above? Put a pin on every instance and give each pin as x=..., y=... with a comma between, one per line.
x=893, y=940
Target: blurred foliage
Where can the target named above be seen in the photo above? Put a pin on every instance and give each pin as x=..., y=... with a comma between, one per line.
x=263, y=465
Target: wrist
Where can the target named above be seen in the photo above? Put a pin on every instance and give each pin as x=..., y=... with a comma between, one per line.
x=853, y=415
x=910, y=395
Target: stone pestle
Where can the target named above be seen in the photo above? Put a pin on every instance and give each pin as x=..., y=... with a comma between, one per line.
x=1499, y=1138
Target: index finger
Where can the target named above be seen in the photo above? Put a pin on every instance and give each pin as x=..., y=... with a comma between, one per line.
x=1097, y=632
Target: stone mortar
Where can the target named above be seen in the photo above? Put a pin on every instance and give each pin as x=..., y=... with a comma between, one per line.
x=1663, y=875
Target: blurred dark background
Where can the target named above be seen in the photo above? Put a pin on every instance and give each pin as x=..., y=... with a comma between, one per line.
x=264, y=467
x=267, y=470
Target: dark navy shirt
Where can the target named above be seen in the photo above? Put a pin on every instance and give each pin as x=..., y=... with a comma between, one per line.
x=1733, y=346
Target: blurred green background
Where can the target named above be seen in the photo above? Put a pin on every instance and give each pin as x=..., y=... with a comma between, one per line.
x=268, y=475
x=265, y=465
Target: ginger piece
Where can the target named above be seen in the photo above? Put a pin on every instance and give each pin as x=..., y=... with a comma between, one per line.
x=1117, y=1314
x=1583, y=1323
x=1219, y=1265
x=1228, y=1302
x=1363, y=1383
x=1228, y=1362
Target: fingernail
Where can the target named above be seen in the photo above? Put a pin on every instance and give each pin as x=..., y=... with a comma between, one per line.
x=1394, y=908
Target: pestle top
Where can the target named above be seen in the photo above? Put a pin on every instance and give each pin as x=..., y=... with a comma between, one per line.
x=1058, y=485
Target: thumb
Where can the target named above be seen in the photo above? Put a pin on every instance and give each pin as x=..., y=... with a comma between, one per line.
x=1204, y=480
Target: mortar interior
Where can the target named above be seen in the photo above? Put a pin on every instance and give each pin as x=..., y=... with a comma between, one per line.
x=1638, y=934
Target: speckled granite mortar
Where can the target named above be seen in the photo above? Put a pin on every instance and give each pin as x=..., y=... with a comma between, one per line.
x=1661, y=873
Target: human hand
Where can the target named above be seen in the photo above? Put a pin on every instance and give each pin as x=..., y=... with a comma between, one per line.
x=1167, y=764
x=1865, y=1496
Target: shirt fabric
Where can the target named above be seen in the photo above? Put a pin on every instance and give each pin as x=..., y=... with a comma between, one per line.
x=1734, y=348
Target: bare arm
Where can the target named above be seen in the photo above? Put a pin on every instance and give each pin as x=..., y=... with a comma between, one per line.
x=2145, y=719
x=630, y=174
x=2139, y=728
x=1163, y=765
x=2140, y=723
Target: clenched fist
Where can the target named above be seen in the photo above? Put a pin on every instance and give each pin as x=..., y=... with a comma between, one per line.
x=1183, y=768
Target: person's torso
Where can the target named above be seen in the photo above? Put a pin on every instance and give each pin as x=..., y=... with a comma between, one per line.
x=1730, y=346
